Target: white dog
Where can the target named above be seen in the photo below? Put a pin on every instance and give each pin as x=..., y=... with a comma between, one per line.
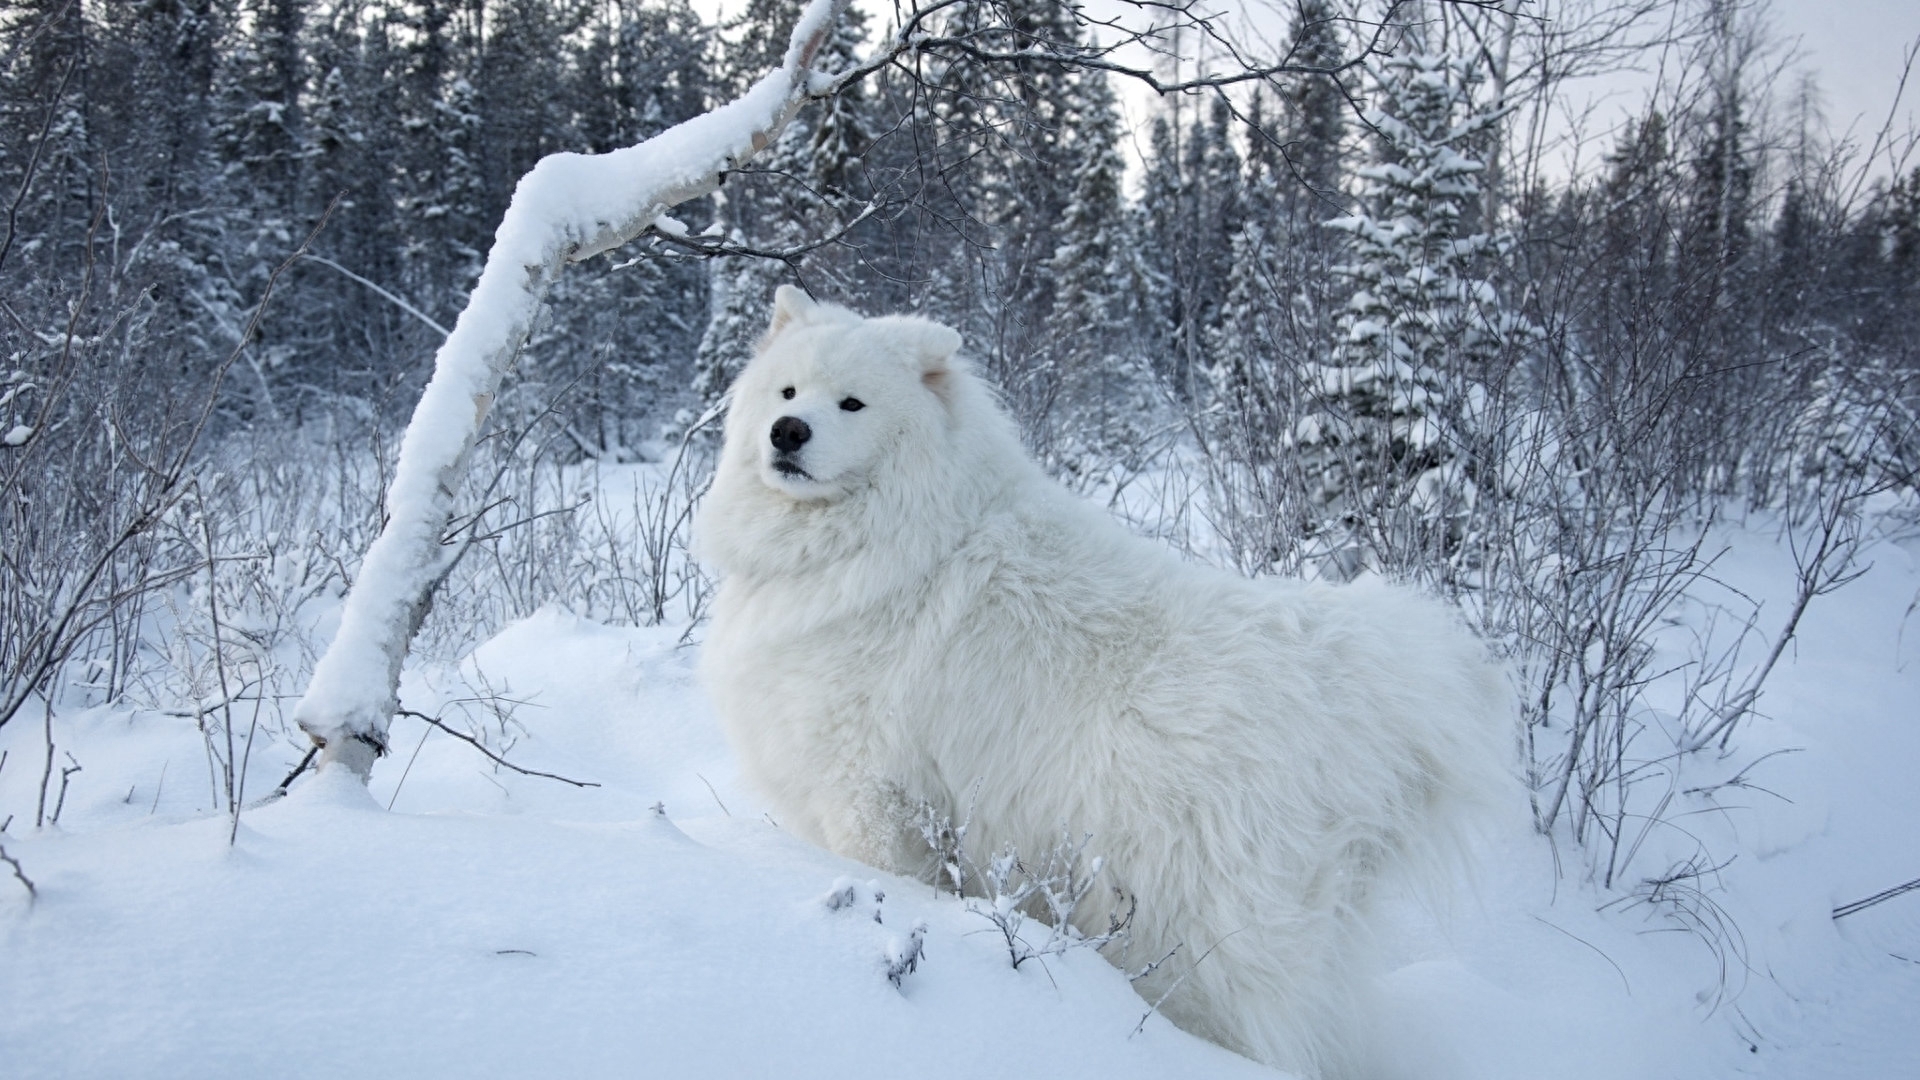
x=911, y=611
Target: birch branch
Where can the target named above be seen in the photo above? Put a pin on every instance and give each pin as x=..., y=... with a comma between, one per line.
x=570, y=207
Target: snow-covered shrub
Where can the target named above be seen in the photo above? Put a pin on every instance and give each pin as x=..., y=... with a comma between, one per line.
x=861, y=896
x=1051, y=887
x=900, y=955
x=905, y=953
x=1858, y=428
x=1012, y=893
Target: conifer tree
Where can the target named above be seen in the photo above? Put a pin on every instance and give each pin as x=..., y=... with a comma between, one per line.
x=150, y=105
x=617, y=358
x=259, y=131
x=1721, y=202
x=1214, y=212
x=355, y=142
x=1159, y=217
x=1389, y=445
x=793, y=194
x=1235, y=343
x=1097, y=278
x=433, y=121
x=260, y=125
x=1194, y=206
x=1314, y=113
x=961, y=177
x=1085, y=268
x=1037, y=115
x=44, y=130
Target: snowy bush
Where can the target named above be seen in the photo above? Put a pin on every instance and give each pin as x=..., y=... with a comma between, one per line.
x=901, y=955
x=1012, y=893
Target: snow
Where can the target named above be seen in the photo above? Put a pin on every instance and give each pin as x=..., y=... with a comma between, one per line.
x=502, y=925
x=494, y=924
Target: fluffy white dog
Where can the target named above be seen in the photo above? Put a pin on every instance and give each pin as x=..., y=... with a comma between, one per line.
x=910, y=610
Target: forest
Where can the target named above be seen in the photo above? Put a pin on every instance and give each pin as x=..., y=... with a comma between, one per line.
x=1381, y=296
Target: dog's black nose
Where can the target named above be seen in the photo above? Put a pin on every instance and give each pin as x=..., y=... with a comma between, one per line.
x=790, y=433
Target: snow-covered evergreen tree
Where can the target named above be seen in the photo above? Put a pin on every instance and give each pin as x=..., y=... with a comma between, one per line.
x=1238, y=339
x=617, y=358
x=962, y=177
x=258, y=130
x=1214, y=210
x=1096, y=277
x=1157, y=224
x=1273, y=298
x=1315, y=111
x=1389, y=443
x=803, y=176
x=1240, y=356
x=1085, y=268
x=260, y=111
x=1193, y=204
x=434, y=130
x=1042, y=104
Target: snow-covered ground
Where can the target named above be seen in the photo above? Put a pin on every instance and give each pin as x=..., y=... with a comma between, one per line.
x=461, y=920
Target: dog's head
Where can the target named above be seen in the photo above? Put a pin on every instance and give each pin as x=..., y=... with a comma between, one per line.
x=831, y=399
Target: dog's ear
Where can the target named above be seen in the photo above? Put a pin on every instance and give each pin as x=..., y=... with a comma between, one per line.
x=928, y=347
x=791, y=307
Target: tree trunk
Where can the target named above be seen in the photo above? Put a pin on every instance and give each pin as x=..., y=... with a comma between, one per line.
x=571, y=206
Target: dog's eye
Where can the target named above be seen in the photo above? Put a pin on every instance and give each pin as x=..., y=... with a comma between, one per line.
x=852, y=404
x=787, y=393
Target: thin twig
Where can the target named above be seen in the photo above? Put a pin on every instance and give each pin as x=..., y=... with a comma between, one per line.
x=281, y=789
x=408, y=771
x=1175, y=985
x=390, y=297
x=32, y=893
x=66, y=774
x=1881, y=897
x=497, y=759
x=716, y=796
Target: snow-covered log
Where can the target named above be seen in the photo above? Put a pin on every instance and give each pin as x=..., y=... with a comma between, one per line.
x=570, y=207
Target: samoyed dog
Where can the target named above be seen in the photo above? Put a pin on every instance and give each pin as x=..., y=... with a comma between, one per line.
x=910, y=612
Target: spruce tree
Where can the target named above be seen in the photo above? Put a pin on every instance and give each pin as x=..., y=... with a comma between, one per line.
x=962, y=177
x=432, y=121
x=1096, y=278
x=618, y=355
x=1315, y=110
x=259, y=132
x=1389, y=445
x=45, y=136
x=1194, y=204
x=1159, y=219
x=796, y=192
x=260, y=113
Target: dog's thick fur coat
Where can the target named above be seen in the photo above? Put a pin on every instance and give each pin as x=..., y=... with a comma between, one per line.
x=911, y=610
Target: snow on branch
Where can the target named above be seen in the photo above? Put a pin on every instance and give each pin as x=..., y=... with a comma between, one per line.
x=569, y=207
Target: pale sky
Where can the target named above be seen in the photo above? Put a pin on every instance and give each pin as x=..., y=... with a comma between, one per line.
x=1855, y=48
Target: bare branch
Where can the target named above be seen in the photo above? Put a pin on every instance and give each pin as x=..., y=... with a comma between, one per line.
x=18, y=873
x=496, y=758
x=1880, y=897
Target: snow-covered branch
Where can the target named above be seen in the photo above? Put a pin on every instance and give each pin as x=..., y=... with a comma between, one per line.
x=570, y=207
